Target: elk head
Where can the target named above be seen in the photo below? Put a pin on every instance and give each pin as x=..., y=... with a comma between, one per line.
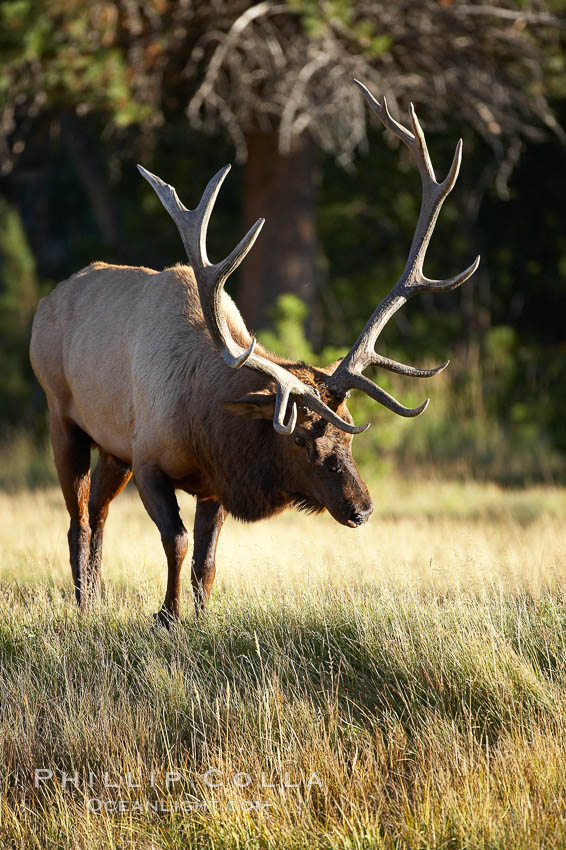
x=307, y=406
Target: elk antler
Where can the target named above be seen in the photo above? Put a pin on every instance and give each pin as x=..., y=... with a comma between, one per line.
x=192, y=225
x=348, y=374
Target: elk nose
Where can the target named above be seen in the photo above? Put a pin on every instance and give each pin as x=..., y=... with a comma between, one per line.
x=360, y=515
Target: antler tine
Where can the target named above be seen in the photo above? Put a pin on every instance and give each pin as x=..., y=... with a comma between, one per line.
x=360, y=382
x=426, y=284
x=418, y=146
x=210, y=278
x=193, y=226
x=348, y=375
x=402, y=369
x=210, y=284
x=204, y=209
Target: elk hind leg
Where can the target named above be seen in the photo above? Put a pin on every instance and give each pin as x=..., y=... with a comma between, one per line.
x=109, y=478
x=71, y=450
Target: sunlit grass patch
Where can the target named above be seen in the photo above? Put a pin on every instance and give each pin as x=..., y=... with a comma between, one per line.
x=397, y=686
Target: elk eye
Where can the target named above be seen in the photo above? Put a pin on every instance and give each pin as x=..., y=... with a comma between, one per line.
x=300, y=441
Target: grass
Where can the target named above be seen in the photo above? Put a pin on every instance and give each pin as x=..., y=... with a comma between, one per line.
x=401, y=685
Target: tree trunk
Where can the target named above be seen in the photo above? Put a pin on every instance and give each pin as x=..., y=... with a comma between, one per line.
x=281, y=188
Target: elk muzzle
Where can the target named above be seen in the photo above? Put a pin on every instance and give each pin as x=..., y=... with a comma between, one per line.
x=346, y=496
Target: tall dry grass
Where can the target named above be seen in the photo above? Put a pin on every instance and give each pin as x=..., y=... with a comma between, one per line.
x=401, y=685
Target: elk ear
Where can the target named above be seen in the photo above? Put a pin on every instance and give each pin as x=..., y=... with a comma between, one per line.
x=253, y=405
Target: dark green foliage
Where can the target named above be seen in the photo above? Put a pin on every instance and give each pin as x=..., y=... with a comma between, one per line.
x=85, y=92
x=18, y=299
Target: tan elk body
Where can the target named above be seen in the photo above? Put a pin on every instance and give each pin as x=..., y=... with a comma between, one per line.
x=158, y=370
x=141, y=379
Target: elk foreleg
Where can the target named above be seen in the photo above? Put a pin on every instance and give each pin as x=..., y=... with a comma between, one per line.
x=158, y=495
x=71, y=450
x=209, y=519
x=109, y=478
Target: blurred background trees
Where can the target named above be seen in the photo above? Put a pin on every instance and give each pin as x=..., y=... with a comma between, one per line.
x=86, y=91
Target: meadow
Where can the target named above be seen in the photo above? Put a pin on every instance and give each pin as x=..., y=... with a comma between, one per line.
x=396, y=686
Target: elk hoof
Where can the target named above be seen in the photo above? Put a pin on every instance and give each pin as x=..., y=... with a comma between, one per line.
x=165, y=618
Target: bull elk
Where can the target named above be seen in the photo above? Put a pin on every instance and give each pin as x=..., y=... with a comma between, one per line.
x=158, y=370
